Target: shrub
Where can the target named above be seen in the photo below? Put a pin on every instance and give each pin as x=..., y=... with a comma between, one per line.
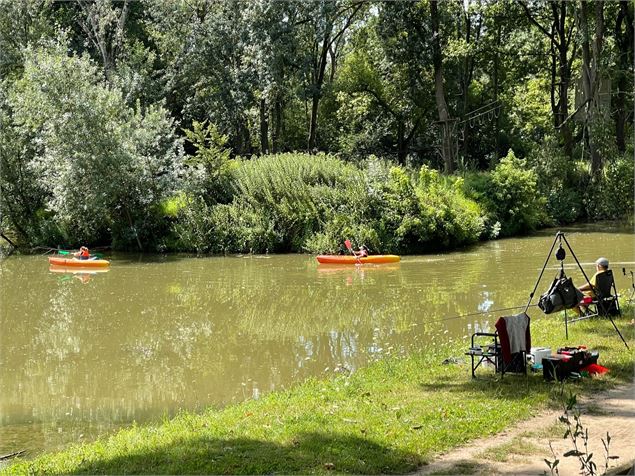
x=282, y=202
x=210, y=168
x=610, y=196
x=103, y=166
x=559, y=180
x=426, y=212
x=510, y=196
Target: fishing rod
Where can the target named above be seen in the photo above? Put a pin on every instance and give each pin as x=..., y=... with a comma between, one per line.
x=630, y=298
x=491, y=311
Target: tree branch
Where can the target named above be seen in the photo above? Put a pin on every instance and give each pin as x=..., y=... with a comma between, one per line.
x=534, y=21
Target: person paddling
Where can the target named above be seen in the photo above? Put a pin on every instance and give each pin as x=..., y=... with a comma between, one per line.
x=362, y=252
x=83, y=253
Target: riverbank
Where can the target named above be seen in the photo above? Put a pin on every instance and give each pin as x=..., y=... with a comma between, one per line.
x=391, y=417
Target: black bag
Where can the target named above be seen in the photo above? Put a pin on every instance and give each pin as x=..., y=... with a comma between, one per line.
x=562, y=294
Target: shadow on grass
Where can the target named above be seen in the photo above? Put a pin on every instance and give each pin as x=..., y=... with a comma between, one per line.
x=490, y=384
x=308, y=453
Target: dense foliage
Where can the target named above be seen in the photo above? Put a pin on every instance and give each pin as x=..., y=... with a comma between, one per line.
x=242, y=126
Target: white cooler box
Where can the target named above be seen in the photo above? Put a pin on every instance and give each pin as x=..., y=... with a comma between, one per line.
x=539, y=353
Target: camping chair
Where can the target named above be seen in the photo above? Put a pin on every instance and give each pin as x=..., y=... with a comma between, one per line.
x=506, y=349
x=605, y=302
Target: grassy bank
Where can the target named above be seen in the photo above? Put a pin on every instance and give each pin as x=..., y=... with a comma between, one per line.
x=387, y=418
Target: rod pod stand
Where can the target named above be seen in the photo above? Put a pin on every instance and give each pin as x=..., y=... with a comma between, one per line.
x=560, y=255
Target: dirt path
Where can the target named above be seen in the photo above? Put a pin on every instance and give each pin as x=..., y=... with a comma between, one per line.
x=523, y=448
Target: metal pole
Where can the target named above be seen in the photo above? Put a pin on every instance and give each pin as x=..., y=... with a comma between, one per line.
x=531, y=296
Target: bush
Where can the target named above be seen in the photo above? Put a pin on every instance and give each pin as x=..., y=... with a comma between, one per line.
x=559, y=180
x=280, y=203
x=610, y=196
x=510, y=196
x=299, y=202
x=426, y=212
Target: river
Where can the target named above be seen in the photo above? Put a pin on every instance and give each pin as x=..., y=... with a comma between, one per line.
x=84, y=354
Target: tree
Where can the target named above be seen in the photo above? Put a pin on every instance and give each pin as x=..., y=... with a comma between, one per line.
x=447, y=130
x=382, y=83
x=104, y=25
x=104, y=166
x=623, y=32
x=21, y=23
x=591, y=74
x=323, y=25
x=562, y=51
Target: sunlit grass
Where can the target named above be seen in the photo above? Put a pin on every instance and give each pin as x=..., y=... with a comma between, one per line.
x=390, y=417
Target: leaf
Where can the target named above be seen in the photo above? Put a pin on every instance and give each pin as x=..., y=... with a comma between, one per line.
x=573, y=453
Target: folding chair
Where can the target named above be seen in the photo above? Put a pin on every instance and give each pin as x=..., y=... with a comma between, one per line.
x=605, y=301
x=506, y=349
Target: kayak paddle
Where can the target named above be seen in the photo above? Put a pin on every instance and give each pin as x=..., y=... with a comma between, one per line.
x=63, y=252
x=347, y=242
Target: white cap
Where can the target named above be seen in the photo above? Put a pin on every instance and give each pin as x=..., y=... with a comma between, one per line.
x=602, y=262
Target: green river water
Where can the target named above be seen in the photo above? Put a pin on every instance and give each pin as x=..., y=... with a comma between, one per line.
x=83, y=354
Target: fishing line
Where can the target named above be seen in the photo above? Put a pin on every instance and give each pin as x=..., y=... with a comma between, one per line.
x=492, y=311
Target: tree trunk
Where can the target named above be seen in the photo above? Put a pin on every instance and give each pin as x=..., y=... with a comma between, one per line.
x=318, y=81
x=264, y=127
x=276, y=139
x=495, y=80
x=624, y=42
x=466, y=85
x=590, y=76
x=564, y=73
x=439, y=92
x=402, y=150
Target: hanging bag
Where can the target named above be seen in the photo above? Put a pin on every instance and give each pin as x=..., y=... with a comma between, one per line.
x=562, y=294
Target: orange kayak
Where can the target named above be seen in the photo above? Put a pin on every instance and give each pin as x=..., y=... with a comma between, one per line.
x=346, y=259
x=78, y=263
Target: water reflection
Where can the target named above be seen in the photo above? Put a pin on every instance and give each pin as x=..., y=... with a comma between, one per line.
x=156, y=334
x=83, y=275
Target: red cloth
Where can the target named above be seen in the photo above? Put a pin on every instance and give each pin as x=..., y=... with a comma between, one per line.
x=507, y=341
x=594, y=369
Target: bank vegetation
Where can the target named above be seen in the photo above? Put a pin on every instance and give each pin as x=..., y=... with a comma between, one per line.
x=234, y=126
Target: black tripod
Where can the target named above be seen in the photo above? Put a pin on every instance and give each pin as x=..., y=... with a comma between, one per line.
x=560, y=256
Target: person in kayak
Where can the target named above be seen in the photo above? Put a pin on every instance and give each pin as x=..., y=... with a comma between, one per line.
x=362, y=252
x=83, y=253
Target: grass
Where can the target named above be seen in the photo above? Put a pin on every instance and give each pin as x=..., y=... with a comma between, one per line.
x=390, y=417
x=517, y=446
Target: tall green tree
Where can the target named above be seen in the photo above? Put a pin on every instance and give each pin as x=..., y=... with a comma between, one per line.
x=323, y=26
x=555, y=20
x=103, y=166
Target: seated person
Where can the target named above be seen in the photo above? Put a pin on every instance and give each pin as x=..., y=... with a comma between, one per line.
x=83, y=253
x=362, y=252
x=601, y=265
